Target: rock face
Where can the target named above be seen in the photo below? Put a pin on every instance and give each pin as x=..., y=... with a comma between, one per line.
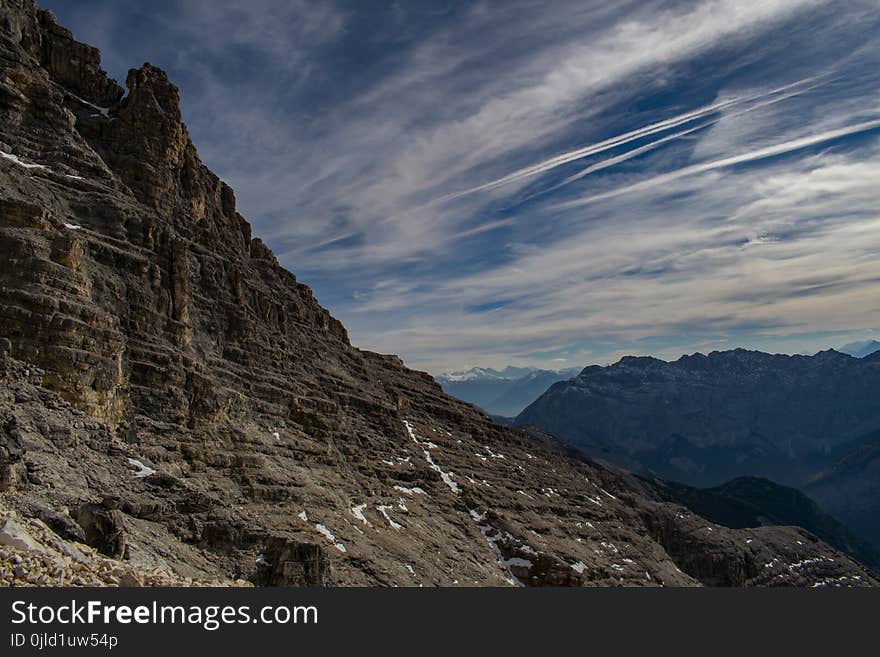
x=173, y=392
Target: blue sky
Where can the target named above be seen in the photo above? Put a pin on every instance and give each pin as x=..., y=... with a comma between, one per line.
x=541, y=183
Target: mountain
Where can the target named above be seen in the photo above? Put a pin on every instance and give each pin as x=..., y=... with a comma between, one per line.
x=861, y=349
x=504, y=393
x=804, y=421
x=850, y=486
x=175, y=407
x=756, y=502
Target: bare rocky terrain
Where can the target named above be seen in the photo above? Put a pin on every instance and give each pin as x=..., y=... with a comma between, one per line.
x=176, y=401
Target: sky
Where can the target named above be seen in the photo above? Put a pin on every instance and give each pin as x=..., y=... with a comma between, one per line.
x=549, y=184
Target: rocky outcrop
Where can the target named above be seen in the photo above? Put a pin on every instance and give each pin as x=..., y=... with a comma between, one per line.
x=31, y=554
x=191, y=407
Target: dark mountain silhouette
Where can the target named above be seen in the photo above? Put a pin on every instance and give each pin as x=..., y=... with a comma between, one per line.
x=805, y=421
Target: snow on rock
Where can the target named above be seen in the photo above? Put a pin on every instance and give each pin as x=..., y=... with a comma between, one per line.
x=72, y=226
x=15, y=160
x=445, y=476
x=103, y=111
x=494, y=455
x=383, y=509
x=330, y=537
x=302, y=515
x=476, y=515
x=606, y=493
x=358, y=512
x=415, y=490
x=142, y=470
x=579, y=567
x=517, y=562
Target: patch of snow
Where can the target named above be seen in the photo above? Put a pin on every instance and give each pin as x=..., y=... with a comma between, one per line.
x=142, y=470
x=579, y=567
x=806, y=562
x=383, y=509
x=494, y=455
x=330, y=537
x=103, y=111
x=606, y=493
x=415, y=490
x=15, y=160
x=412, y=434
x=358, y=512
x=72, y=226
x=476, y=515
x=409, y=568
x=302, y=516
x=445, y=476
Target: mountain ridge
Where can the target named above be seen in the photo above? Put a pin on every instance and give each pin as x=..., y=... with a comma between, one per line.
x=801, y=421
x=502, y=393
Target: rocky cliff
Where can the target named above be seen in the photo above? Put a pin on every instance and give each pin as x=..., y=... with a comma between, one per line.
x=172, y=397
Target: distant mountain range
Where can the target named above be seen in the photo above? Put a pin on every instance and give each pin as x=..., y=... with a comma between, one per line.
x=812, y=422
x=861, y=349
x=501, y=392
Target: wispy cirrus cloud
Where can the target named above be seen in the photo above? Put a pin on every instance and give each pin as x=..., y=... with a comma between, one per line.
x=518, y=183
